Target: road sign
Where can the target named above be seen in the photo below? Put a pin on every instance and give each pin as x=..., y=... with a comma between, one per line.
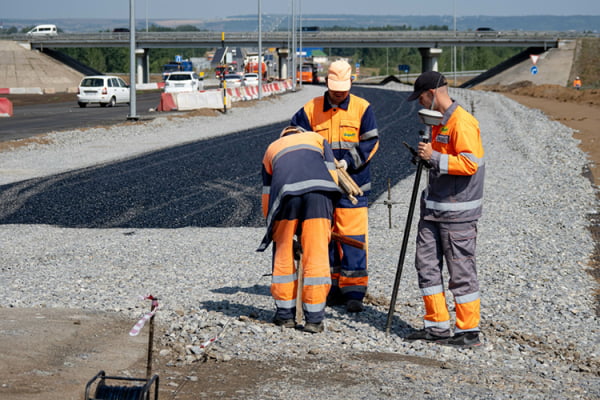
x=534, y=70
x=534, y=58
x=404, y=68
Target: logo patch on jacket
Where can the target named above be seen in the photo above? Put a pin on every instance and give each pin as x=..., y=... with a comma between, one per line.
x=349, y=134
x=442, y=139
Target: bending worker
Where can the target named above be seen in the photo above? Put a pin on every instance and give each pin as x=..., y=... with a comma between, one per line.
x=451, y=204
x=299, y=190
x=348, y=123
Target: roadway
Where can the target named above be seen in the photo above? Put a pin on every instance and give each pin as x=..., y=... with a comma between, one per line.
x=209, y=183
x=31, y=120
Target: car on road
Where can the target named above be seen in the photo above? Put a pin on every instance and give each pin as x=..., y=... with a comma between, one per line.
x=183, y=82
x=234, y=80
x=250, y=79
x=43, y=30
x=105, y=90
x=486, y=31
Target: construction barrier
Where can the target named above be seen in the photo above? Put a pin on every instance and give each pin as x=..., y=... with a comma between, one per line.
x=6, y=107
x=35, y=90
x=213, y=99
x=149, y=86
x=166, y=103
x=197, y=100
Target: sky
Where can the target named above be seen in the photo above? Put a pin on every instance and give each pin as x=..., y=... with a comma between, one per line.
x=198, y=9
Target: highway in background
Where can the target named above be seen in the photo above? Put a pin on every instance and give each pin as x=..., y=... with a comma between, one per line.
x=32, y=120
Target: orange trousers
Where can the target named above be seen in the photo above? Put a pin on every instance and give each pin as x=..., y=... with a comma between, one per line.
x=308, y=215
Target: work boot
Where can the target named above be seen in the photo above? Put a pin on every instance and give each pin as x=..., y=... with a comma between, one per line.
x=314, y=327
x=427, y=336
x=463, y=339
x=335, y=298
x=286, y=323
x=354, y=306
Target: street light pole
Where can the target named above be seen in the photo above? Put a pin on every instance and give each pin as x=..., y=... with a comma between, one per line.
x=132, y=99
x=260, y=72
x=146, y=16
x=293, y=46
x=454, y=47
x=301, y=62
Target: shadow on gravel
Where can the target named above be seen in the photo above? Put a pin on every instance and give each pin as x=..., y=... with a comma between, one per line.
x=209, y=183
x=263, y=290
x=235, y=308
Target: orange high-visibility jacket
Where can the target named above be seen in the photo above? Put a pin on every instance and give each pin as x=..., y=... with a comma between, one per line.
x=455, y=189
x=350, y=129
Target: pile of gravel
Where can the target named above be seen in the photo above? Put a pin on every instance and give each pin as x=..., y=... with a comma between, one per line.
x=540, y=330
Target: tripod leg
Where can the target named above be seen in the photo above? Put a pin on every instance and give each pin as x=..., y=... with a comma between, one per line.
x=409, y=218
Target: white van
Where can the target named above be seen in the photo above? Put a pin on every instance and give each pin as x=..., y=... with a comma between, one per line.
x=43, y=30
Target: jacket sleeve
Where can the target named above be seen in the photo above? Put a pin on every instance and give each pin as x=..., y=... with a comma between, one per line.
x=369, y=141
x=330, y=161
x=266, y=188
x=467, y=154
x=301, y=119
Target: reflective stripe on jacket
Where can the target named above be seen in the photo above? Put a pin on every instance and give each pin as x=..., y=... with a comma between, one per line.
x=455, y=189
x=350, y=128
x=293, y=165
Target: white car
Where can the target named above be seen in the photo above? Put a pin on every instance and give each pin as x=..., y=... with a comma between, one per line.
x=105, y=90
x=183, y=82
x=234, y=80
x=43, y=30
x=251, y=79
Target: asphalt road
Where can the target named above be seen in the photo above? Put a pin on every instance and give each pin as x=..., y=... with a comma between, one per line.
x=210, y=183
x=31, y=120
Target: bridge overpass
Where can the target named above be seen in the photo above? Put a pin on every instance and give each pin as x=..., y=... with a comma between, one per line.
x=428, y=42
x=338, y=39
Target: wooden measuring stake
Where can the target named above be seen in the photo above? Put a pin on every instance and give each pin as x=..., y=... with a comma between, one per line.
x=300, y=279
x=349, y=241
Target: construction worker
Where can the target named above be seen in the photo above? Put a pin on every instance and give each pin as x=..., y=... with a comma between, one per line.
x=451, y=204
x=348, y=123
x=299, y=190
x=577, y=83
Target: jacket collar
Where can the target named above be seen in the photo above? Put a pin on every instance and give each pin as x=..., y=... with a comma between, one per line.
x=328, y=106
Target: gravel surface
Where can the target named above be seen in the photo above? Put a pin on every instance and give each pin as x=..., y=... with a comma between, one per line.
x=540, y=328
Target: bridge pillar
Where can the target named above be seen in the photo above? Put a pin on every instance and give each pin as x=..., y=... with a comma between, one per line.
x=282, y=63
x=142, y=61
x=429, y=58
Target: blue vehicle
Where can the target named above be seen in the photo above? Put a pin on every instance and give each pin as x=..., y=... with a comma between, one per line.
x=178, y=65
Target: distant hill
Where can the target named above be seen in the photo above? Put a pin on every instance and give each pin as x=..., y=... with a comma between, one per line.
x=248, y=23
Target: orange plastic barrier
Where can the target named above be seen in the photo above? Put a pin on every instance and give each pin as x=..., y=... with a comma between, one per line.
x=166, y=103
x=6, y=107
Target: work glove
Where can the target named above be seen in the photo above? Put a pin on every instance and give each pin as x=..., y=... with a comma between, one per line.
x=342, y=164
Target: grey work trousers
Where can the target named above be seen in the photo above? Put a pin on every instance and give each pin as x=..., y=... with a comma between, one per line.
x=454, y=241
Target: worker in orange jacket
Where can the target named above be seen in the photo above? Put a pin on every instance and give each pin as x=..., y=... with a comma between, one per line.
x=450, y=208
x=348, y=123
x=299, y=189
x=577, y=83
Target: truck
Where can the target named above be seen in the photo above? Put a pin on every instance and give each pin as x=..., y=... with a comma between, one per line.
x=252, y=66
x=307, y=73
x=177, y=65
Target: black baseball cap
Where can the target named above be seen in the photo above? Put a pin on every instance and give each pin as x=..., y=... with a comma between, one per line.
x=425, y=81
